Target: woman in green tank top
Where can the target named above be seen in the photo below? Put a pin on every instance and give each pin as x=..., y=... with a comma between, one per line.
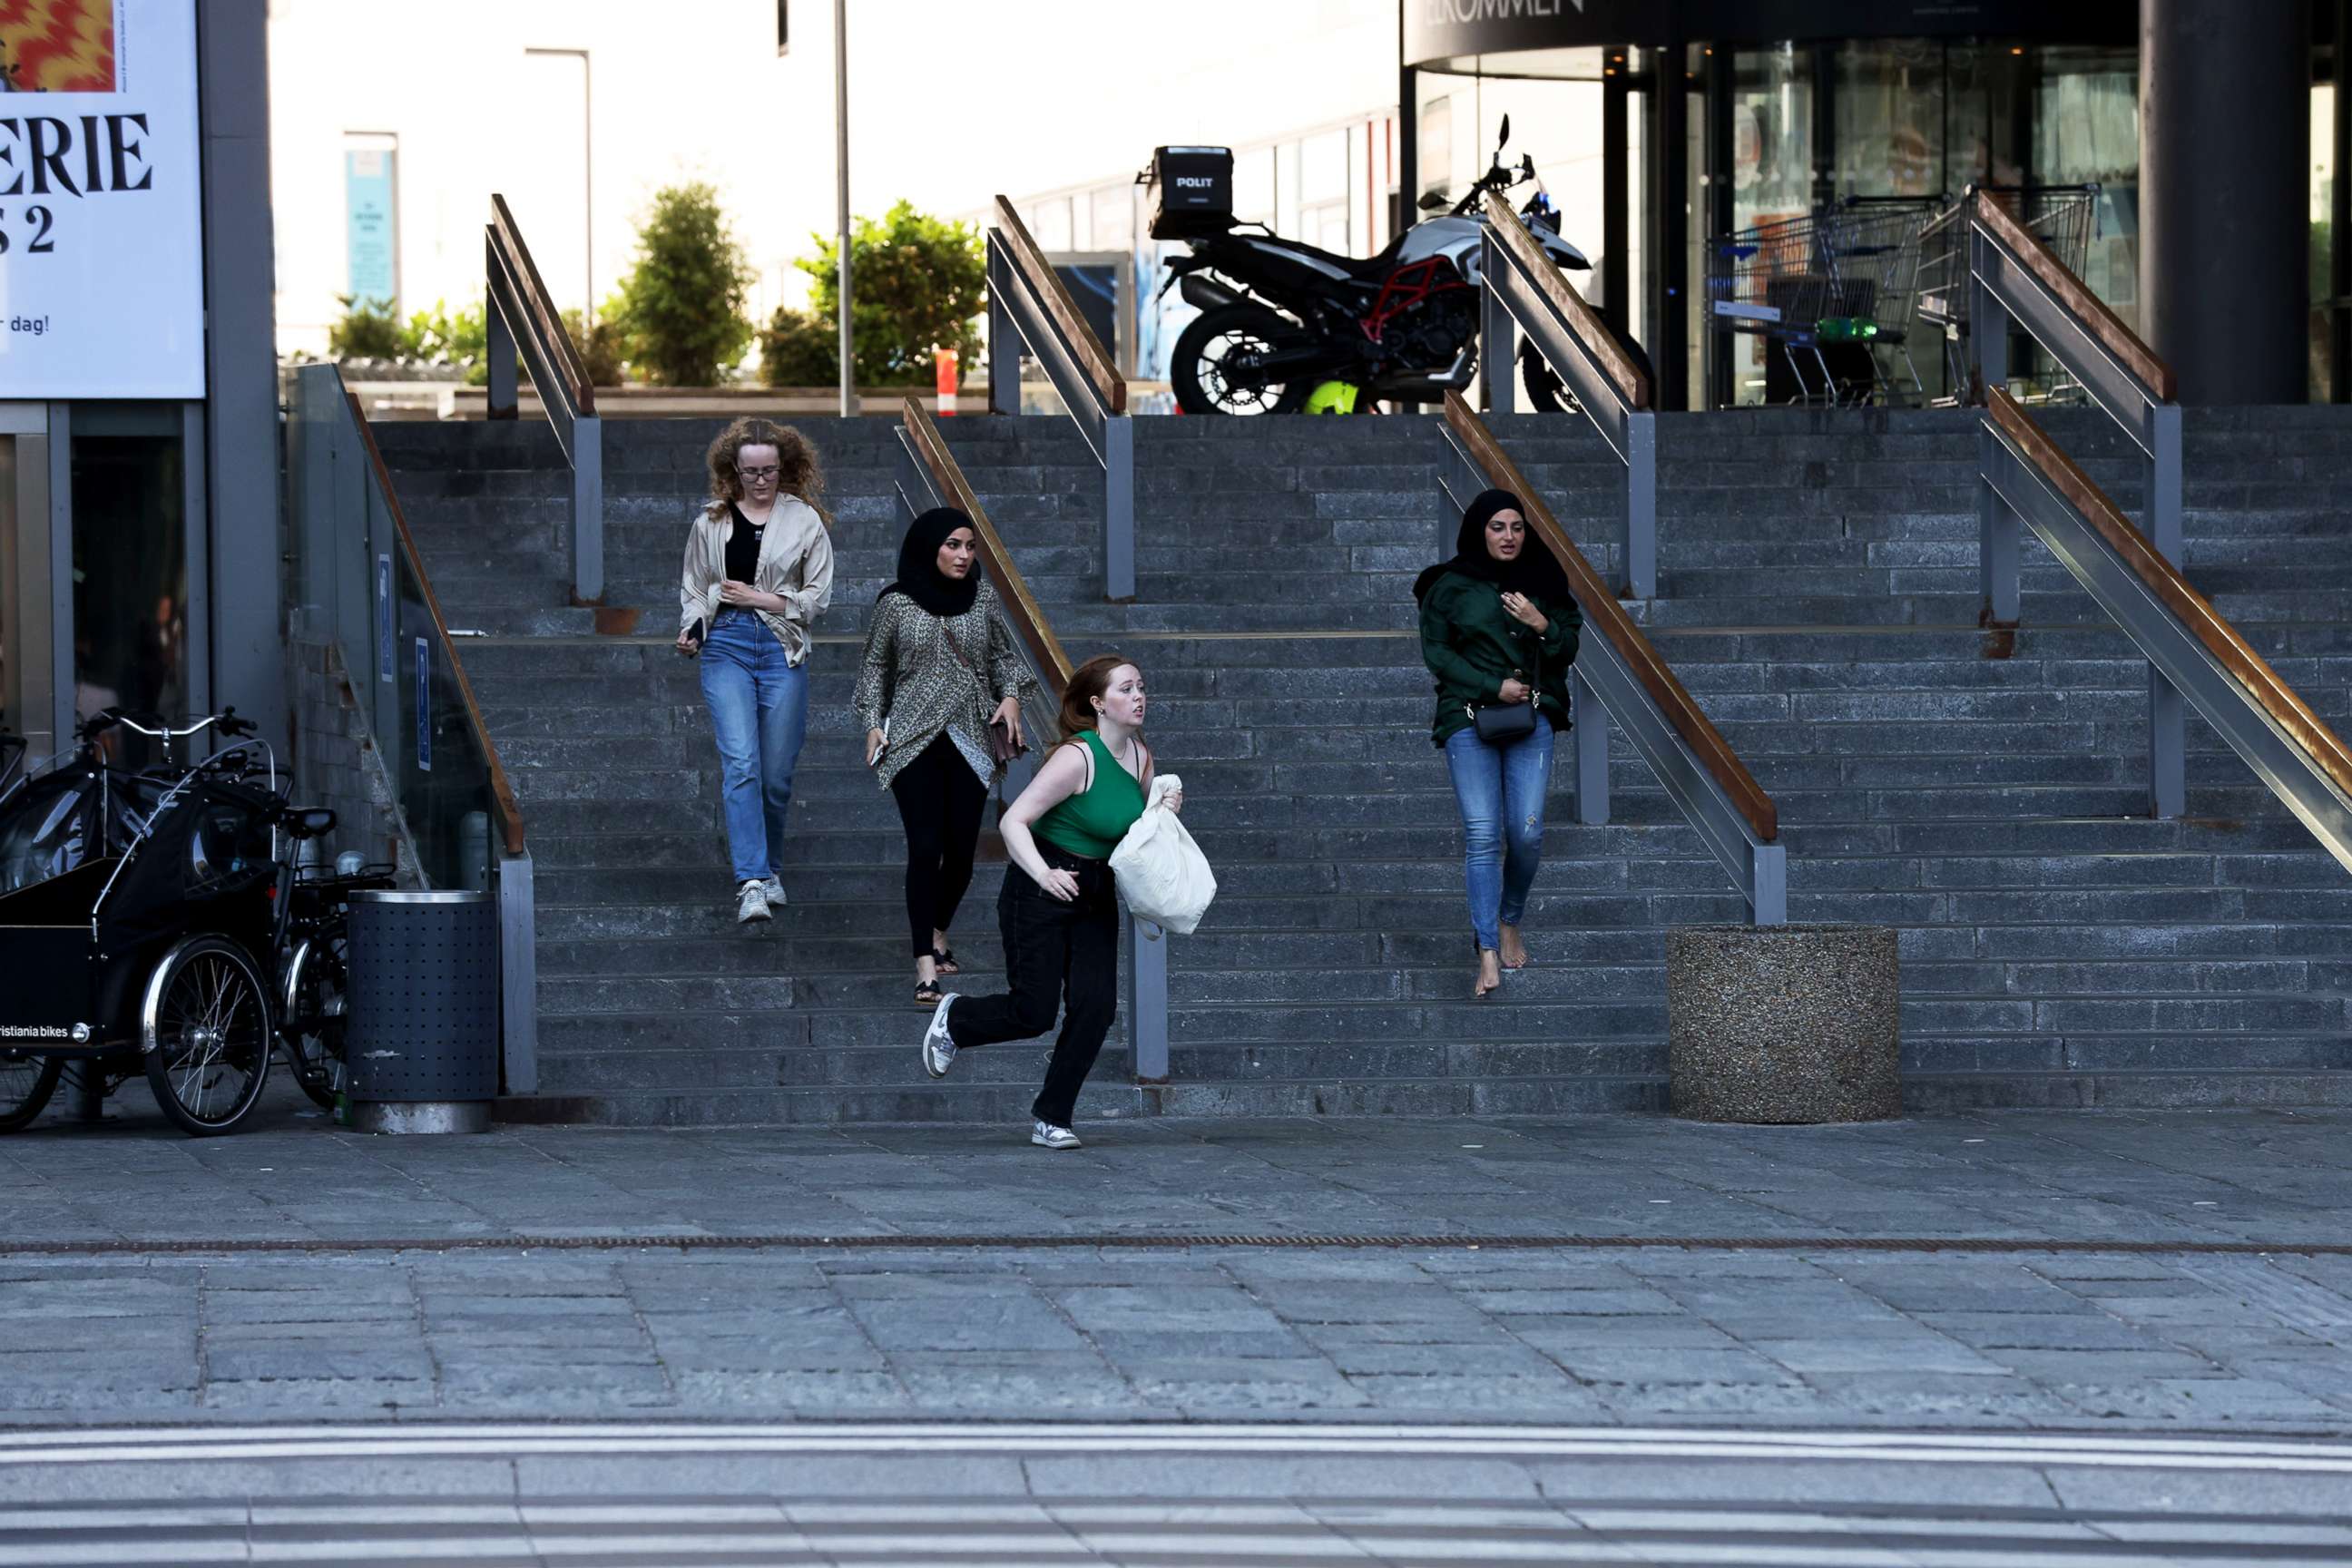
x=1060, y=911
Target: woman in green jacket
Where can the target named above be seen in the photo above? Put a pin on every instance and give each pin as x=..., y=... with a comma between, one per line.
x=1498, y=630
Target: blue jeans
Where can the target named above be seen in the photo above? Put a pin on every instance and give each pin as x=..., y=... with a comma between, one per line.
x=759, y=711
x=1501, y=792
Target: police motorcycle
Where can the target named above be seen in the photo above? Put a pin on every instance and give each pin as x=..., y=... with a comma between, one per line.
x=1281, y=318
x=155, y=923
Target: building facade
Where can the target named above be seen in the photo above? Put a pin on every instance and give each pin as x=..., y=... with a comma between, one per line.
x=139, y=499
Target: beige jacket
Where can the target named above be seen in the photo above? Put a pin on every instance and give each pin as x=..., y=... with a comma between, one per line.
x=795, y=562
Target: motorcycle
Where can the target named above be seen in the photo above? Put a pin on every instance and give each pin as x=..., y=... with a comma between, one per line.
x=1280, y=316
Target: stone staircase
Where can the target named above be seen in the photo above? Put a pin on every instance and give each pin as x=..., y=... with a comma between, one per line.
x=1974, y=789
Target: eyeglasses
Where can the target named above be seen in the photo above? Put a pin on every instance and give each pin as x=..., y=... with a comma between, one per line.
x=767, y=473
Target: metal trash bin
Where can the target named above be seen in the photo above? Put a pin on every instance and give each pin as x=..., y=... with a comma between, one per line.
x=421, y=1046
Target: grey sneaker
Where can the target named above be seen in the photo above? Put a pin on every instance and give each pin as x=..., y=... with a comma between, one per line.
x=938, y=1049
x=774, y=887
x=751, y=903
x=1045, y=1135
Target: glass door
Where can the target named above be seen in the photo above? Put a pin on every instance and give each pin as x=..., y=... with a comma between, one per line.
x=26, y=684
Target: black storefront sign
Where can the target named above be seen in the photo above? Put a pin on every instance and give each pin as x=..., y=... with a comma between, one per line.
x=1449, y=29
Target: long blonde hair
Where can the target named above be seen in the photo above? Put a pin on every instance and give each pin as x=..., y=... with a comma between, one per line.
x=801, y=476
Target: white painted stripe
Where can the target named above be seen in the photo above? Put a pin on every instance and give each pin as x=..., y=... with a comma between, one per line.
x=133, y=1445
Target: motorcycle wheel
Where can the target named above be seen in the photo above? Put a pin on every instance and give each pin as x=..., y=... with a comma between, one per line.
x=26, y=1081
x=1547, y=393
x=1197, y=369
x=317, y=984
x=206, y=1037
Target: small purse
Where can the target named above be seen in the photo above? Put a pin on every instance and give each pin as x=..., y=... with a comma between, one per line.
x=1500, y=724
x=1004, y=743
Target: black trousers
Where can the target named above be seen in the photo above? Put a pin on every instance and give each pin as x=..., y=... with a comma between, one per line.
x=1059, y=957
x=939, y=800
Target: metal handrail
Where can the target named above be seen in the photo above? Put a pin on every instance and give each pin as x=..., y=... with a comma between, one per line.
x=1519, y=284
x=927, y=476
x=503, y=803
x=521, y=317
x=2190, y=644
x=2014, y=276
x=343, y=556
x=1619, y=675
x=1029, y=308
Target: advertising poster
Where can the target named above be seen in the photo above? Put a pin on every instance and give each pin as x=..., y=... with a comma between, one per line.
x=372, y=225
x=102, y=260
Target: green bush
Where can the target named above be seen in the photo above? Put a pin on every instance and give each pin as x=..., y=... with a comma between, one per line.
x=799, y=348
x=601, y=347
x=917, y=283
x=368, y=330
x=680, y=311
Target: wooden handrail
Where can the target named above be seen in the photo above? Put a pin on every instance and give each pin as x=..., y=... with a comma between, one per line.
x=2102, y=323
x=1020, y=605
x=1109, y=385
x=1586, y=322
x=1604, y=615
x=546, y=320
x=502, y=794
x=2196, y=612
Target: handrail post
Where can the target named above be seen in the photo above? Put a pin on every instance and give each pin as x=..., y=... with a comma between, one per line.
x=1498, y=339
x=1003, y=337
x=1997, y=543
x=505, y=402
x=2168, y=713
x=518, y=974
x=1587, y=720
x=1118, y=508
x=1771, y=905
x=588, y=509
x=1146, y=998
x=1641, y=557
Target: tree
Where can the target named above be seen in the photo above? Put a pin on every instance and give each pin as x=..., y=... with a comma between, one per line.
x=680, y=310
x=917, y=283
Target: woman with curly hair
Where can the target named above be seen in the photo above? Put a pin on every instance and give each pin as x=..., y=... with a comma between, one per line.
x=758, y=573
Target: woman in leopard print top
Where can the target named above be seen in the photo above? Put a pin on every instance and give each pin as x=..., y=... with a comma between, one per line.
x=940, y=667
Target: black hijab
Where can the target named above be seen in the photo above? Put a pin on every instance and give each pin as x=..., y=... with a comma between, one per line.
x=1535, y=573
x=919, y=577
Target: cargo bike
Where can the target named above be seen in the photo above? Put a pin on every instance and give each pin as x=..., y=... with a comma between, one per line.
x=155, y=922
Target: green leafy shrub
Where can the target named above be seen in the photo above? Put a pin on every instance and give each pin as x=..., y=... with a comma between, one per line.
x=680, y=311
x=601, y=347
x=800, y=348
x=368, y=330
x=917, y=283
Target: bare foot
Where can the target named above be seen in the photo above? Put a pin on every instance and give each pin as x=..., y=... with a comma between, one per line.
x=1515, y=952
x=1490, y=975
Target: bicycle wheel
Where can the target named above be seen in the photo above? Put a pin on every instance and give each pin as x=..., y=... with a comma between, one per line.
x=311, y=1015
x=26, y=1081
x=206, y=1033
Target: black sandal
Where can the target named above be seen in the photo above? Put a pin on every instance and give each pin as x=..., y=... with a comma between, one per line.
x=928, y=993
x=943, y=959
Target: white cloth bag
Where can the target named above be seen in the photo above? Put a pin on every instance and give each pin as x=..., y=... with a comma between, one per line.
x=1161, y=873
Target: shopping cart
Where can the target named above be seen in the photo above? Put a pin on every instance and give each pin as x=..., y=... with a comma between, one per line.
x=1829, y=291
x=2064, y=217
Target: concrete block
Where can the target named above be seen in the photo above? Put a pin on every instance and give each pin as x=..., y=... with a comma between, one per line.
x=1784, y=1024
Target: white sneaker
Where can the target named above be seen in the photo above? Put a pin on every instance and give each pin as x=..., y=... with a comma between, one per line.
x=774, y=887
x=1045, y=1135
x=751, y=903
x=938, y=1049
